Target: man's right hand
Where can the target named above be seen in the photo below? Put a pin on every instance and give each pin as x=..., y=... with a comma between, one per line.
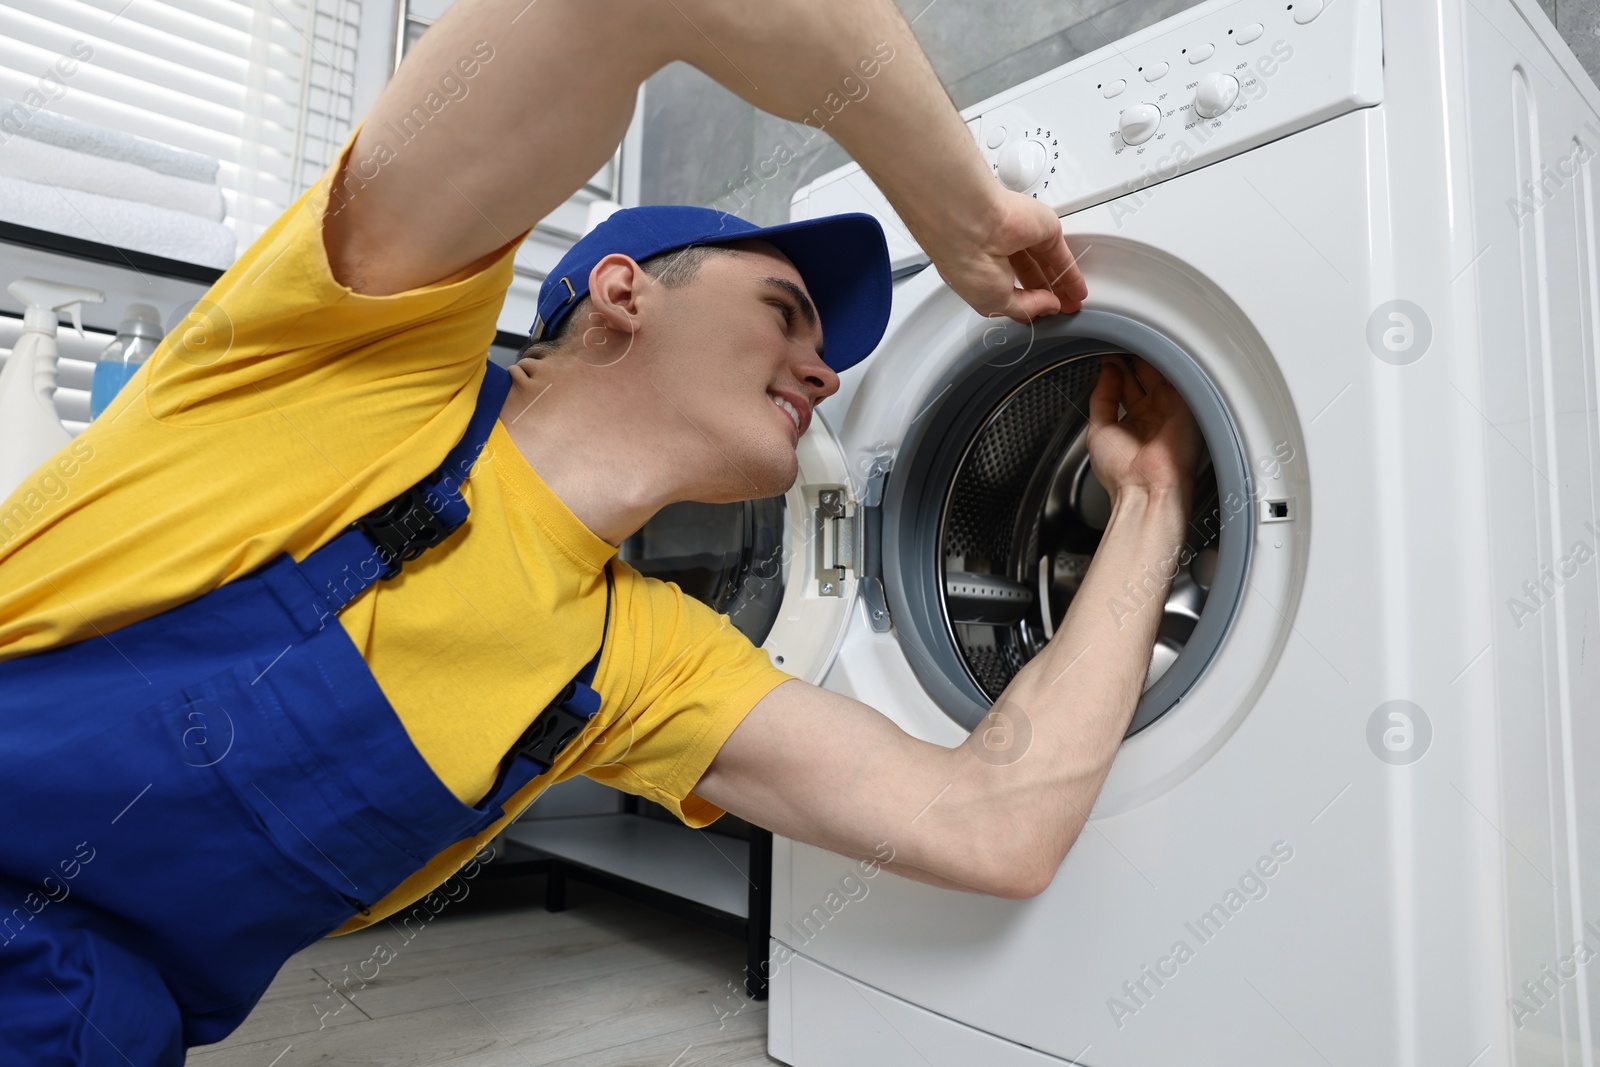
x=1020, y=240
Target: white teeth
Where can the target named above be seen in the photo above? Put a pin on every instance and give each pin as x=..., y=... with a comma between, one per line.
x=788, y=409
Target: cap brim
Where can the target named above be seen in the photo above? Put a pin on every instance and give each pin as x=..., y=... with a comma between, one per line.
x=844, y=262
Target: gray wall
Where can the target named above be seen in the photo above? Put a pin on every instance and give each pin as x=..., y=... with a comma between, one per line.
x=703, y=145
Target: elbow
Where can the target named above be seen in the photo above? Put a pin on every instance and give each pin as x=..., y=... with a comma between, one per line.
x=1023, y=877
x=1018, y=889
x=1029, y=883
x=1030, y=870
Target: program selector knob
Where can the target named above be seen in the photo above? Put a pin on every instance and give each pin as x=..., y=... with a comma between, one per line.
x=1138, y=123
x=1216, y=94
x=1022, y=163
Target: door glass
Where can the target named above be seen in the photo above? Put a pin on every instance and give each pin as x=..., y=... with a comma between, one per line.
x=729, y=556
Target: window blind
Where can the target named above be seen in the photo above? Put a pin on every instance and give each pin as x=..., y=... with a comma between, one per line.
x=266, y=86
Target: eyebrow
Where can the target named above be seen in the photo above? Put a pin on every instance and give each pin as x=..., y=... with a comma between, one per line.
x=799, y=296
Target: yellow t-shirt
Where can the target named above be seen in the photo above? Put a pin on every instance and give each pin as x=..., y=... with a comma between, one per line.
x=297, y=406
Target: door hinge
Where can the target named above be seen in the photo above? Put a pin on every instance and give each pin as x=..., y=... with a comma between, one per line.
x=836, y=542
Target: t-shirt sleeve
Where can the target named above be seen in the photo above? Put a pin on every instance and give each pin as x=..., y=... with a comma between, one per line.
x=692, y=679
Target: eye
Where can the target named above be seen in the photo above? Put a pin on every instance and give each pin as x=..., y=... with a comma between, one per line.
x=788, y=312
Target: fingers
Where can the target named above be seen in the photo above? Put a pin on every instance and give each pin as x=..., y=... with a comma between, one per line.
x=1107, y=394
x=1133, y=368
x=1045, y=268
x=1034, y=298
x=1060, y=271
x=1029, y=304
x=1048, y=267
x=1149, y=381
x=1028, y=271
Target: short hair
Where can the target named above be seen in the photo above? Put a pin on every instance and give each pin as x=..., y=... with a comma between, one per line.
x=672, y=269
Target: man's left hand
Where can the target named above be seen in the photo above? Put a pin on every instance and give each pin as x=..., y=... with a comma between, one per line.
x=1021, y=242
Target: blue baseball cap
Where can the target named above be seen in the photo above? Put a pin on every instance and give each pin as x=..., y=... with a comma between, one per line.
x=842, y=259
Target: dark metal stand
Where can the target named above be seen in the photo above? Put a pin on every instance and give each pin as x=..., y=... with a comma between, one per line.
x=755, y=928
x=758, y=928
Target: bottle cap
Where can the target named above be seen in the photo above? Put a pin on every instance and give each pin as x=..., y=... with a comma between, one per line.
x=142, y=320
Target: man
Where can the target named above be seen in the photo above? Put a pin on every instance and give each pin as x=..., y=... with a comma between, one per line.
x=203, y=773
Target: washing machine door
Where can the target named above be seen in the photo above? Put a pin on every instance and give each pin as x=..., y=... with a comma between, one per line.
x=782, y=569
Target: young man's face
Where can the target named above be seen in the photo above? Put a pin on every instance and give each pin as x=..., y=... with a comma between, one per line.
x=735, y=357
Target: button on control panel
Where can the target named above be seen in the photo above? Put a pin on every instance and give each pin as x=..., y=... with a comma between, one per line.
x=1306, y=10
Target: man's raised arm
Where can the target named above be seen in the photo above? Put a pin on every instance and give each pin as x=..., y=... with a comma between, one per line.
x=552, y=92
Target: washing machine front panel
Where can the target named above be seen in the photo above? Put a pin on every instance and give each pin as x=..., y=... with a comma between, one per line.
x=1260, y=744
x=1408, y=898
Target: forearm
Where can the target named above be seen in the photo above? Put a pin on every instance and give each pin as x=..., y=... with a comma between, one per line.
x=807, y=62
x=1033, y=770
x=548, y=109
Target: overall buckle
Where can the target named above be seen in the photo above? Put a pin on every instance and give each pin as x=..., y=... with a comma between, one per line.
x=551, y=731
x=404, y=528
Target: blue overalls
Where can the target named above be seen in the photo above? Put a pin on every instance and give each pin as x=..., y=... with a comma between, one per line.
x=188, y=801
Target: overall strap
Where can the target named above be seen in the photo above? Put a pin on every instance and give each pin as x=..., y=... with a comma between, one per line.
x=554, y=728
x=375, y=545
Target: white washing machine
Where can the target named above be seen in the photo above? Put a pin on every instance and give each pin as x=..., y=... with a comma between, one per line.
x=1358, y=818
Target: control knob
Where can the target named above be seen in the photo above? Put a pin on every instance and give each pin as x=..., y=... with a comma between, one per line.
x=1216, y=94
x=1022, y=163
x=1139, y=122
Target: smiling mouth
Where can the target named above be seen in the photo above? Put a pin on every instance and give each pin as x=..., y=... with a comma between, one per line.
x=789, y=410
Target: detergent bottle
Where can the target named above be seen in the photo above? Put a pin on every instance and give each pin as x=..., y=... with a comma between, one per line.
x=30, y=430
x=137, y=339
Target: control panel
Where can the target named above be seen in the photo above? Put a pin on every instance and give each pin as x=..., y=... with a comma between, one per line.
x=1213, y=81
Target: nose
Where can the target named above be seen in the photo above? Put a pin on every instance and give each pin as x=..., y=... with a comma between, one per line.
x=819, y=376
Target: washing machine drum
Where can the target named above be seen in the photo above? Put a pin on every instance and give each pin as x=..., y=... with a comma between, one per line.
x=998, y=513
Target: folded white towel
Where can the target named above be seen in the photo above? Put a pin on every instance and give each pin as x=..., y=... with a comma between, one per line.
x=157, y=230
x=63, y=132
x=38, y=161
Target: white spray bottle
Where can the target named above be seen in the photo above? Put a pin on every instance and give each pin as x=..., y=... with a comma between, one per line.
x=30, y=430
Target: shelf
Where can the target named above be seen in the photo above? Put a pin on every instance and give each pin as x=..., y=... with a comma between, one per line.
x=94, y=251
x=673, y=859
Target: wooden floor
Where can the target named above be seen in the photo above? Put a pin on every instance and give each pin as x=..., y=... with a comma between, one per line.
x=606, y=983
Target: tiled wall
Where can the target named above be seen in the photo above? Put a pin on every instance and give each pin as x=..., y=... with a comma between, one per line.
x=703, y=145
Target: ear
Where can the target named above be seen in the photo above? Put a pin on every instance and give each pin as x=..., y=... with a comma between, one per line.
x=615, y=285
